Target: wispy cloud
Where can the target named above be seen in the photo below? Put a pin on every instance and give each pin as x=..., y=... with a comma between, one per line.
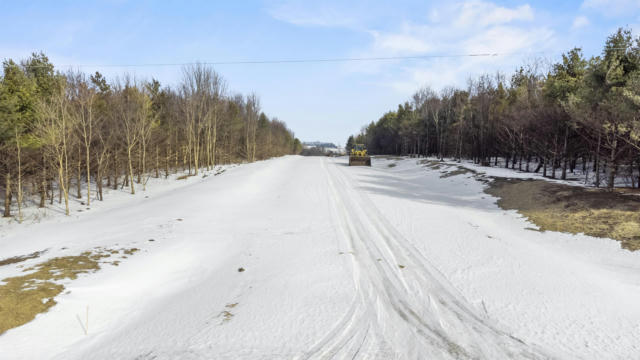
x=580, y=22
x=612, y=8
x=316, y=14
x=409, y=40
x=466, y=28
x=480, y=13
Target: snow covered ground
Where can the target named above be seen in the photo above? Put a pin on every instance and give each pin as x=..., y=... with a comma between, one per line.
x=339, y=262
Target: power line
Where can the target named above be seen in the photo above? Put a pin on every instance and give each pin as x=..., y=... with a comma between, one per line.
x=300, y=61
x=313, y=60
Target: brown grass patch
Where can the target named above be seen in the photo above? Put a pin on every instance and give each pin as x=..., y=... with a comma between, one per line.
x=226, y=316
x=432, y=164
x=572, y=209
x=130, y=251
x=388, y=157
x=459, y=171
x=17, y=259
x=24, y=297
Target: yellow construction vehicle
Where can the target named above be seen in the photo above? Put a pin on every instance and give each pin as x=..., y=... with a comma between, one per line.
x=359, y=156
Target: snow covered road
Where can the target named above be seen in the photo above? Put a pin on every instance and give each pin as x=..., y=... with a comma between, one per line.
x=339, y=262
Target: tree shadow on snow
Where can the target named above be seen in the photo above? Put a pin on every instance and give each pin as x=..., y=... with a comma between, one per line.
x=425, y=190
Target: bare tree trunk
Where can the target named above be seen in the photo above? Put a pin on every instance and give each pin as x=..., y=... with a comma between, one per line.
x=564, y=153
x=50, y=186
x=214, y=140
x=519, y=161
x=133, y=191
x=79, y=174
x=144, y=161
x=208, y=146
x=638, y=172
x=555, y=154
x=596, y=165
x=43, y=185
x=19, y=179
x=140, y=166
x=63, y=182
x=166, y=163
x=7, y=195
x=99, y=184
x=65, y=178
x=157, y=163
x=88, y=161
x=43, y=193
x=614, y=163
x=115, y=171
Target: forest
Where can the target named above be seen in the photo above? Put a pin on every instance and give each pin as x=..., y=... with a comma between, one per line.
x=65, y=133
x=576, y=115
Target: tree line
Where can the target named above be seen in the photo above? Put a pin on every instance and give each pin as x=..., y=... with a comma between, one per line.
x=580, y=112
x=66, y=133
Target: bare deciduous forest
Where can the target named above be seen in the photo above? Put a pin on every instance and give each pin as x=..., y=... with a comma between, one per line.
x=580, y=114
x=72, y=134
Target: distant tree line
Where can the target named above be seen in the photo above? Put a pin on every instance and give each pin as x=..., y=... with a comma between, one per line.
x=314, y=151
x=60, y=131
x=580, y=112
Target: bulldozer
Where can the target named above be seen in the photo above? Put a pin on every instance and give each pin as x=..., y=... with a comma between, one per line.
x=359, y=156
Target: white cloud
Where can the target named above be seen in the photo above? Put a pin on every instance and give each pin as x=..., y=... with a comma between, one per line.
x=507, y=40
x=304, y=14
x=473, y=13
x=612, y=8
x=462, y=28
x=472, y=27
x=580, y=22
x=403, y=43
x=438, y=75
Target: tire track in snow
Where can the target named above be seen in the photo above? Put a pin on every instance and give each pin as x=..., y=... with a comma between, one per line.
x=409, y=312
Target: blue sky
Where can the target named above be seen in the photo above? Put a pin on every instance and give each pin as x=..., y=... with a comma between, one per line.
x=319, y=101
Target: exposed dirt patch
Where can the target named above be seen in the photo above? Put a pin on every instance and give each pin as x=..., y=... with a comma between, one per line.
x=17, y=259
x=630, y=191
x=130, y=251
x=388, y=157
x=446, y=169
x=458, y=171
x=572, y=209
x=432, y=164
x=23, y=297
x=392, y=165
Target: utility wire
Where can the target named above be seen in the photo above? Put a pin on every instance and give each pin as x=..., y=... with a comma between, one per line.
x=316, y=60
x=294, y=61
